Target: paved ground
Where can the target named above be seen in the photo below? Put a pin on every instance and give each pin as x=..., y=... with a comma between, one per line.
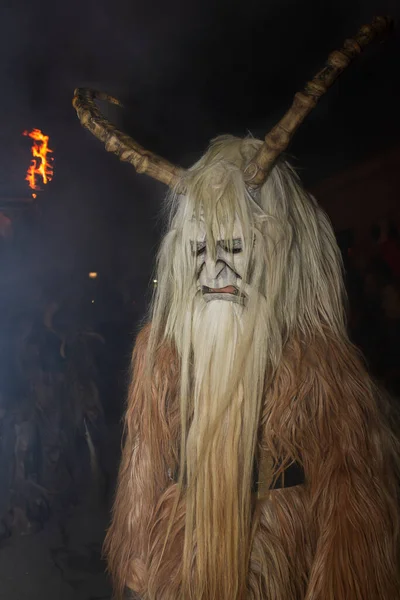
x=62, y=562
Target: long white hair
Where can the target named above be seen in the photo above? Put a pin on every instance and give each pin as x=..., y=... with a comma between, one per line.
x=229, y=353
x=295, y=251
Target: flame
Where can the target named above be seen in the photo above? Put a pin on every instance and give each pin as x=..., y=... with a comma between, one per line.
x=40, y=165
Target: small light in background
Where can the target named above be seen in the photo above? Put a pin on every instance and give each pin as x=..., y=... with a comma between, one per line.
x=92, y=301
x=93, y=275
x=155, y=281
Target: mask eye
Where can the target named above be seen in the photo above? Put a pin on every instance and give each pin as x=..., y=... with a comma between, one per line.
x=234, y=247
x=198, y=248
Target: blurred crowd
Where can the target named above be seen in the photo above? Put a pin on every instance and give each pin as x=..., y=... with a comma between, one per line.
x=63, y=371
x=373, y=287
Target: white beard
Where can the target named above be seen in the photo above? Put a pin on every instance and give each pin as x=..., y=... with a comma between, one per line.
x=226, y=371
x=217, y=334
x=222, y=411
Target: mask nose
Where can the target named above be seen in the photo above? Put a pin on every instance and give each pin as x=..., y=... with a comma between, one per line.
x=213, y=268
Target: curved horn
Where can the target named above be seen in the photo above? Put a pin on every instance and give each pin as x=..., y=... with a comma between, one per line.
x=62, y=348
x=49, y=313
x=94, y=335
x=120, y=143
x=278, y=139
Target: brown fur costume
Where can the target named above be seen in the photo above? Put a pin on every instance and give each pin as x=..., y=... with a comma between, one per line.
x=335, y=538
x=246, y=366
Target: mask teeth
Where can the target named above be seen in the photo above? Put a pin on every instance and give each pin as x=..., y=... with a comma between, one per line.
x=207, y=290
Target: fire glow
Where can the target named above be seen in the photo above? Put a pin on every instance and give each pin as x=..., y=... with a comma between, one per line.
x=41, y=165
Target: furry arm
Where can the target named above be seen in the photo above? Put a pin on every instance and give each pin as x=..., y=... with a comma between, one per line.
x=326, y=412
x=143, y=472
x=349, y=464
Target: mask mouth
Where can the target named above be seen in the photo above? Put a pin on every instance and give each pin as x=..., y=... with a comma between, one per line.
x=229, y=292
x=228, y=289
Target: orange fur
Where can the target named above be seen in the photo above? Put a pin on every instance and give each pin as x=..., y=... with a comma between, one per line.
x=335, y=538
x=150, y=448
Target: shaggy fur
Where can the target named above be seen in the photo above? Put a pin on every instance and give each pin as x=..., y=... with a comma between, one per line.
x=335, y=537
x=286, y=384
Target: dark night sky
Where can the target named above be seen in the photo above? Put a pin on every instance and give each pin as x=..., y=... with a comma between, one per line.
x=186, y=70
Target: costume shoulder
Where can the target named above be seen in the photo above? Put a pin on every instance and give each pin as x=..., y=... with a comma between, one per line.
x=165, y=354
x=141, y=342
x=160, y=384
